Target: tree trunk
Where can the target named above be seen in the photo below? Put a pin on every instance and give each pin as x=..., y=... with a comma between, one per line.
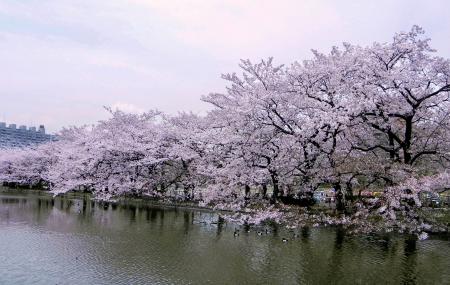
x=186, y=192
x=407, y=142
x=349, y=191
x=247, y=191
x=264, y=191
x=276, y=188
x=392, y=147
x=339, y=197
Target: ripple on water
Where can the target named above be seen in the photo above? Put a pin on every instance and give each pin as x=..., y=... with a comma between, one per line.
x=68, y=243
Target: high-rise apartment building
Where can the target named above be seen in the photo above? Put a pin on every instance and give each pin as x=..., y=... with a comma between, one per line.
x=13, y=136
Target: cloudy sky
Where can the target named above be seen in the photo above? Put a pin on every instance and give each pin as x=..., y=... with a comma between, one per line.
x=61, y=60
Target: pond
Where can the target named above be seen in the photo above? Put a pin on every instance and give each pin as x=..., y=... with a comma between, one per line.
x=72, y=240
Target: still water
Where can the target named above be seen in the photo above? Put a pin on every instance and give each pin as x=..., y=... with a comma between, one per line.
x=72, y=240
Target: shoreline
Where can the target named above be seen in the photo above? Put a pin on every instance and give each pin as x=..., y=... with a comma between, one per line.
x=294, y=217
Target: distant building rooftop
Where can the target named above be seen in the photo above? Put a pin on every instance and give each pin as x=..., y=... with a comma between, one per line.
x=13, y=136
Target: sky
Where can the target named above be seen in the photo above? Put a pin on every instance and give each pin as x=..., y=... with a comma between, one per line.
x=62, y=61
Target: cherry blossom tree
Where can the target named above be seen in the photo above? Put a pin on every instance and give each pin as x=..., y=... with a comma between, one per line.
x=355, y=118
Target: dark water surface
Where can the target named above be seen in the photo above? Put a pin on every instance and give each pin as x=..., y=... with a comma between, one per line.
x=72, y=240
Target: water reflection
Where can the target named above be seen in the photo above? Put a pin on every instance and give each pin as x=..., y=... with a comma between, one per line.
x=11, y=200
x=220, y=225
x=187, y=222
x=409, y=263
x=336, y=263
x=74, y=240
x=339, y=240
x=305, y=234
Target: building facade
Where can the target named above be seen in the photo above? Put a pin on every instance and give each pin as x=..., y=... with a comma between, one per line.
x=13, y=136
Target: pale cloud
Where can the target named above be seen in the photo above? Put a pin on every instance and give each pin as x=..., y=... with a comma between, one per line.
x=246, y=28
x=288, y=29
x=127, y=108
